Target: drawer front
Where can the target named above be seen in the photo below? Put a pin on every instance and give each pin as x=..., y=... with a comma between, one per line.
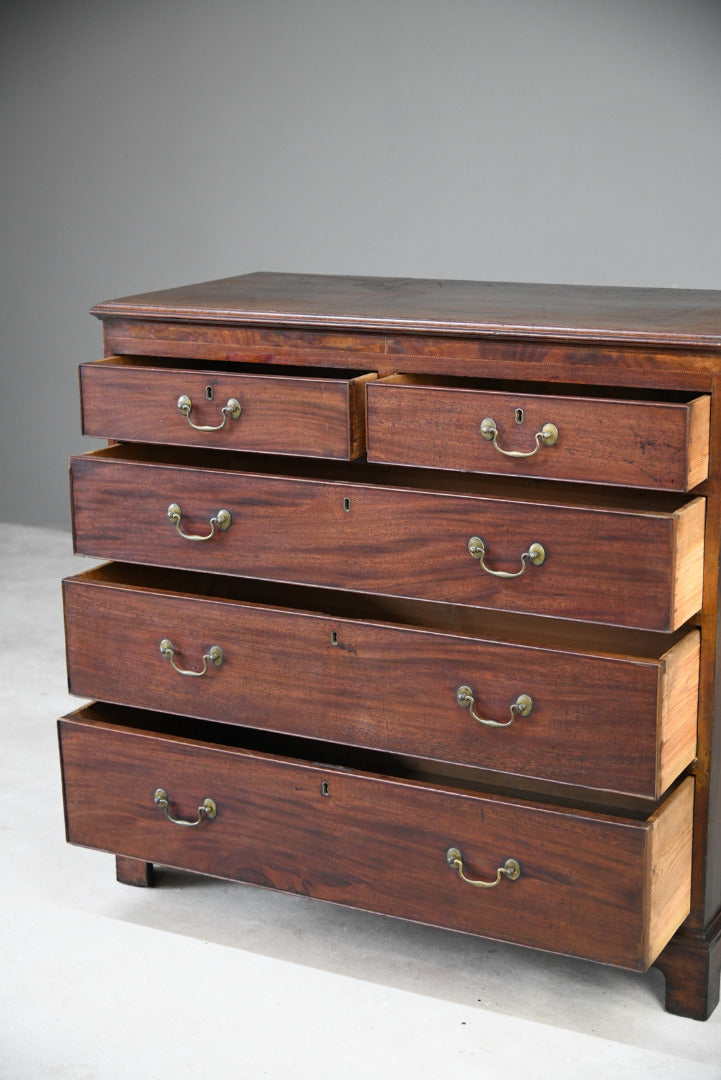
x=283, y=414
x=589, y=885
x=621, y=567
x=655, y=445
x=611, y=723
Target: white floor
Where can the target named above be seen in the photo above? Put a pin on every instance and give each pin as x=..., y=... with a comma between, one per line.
x=201, y=978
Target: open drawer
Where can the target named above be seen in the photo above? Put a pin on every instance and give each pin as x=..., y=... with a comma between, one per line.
x=609, y=710
x=295, y=816
x=548, y=550
x=467, y=425
x=301, y=411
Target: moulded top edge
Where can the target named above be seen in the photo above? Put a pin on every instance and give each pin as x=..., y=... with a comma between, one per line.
x=688, y=318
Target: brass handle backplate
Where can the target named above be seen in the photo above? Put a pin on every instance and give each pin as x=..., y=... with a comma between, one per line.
x=522, y=706
x=547, y=436
x=231, y=410
x=510, y=870
x=214, y=655
x=536, y=554
x=207, y=809
x=221, y=520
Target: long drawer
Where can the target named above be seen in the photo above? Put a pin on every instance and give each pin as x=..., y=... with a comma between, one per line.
x=660, y=445
x=633, y=565
x=284, y=411
x=614, y=713
x=567, y=880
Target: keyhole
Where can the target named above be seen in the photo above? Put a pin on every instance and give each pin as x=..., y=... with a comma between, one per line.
x=519, y=416
x=325, y=788
x=346, y=505
x=209, y=393
x=334, y=637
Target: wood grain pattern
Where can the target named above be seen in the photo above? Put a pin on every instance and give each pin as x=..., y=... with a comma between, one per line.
x=669, y=868
x=678, y=702
x=561, y=312
x=645, y=444
x=467, y=357
x=688, y=560
x=627, y=556
x=281, y=413
x=612, y=723
x=372, y=841
x=612, y=566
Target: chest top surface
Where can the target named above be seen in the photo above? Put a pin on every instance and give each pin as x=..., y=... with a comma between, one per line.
x=684, y=318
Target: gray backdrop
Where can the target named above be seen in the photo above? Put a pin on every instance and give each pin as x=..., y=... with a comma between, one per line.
x=147, y=144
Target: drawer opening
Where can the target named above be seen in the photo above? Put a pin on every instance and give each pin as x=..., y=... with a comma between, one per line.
x=418, y=614
x=546, y=492
x=538, y=387
x=251, y=408
x=647, y=439
x=591, y=884
x=373, y=676
x=211, y=367
x=315, y=753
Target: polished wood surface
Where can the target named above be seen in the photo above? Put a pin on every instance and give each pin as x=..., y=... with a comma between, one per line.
x=590, y=885
x=281, y=412
x=512, y=309
x=620, y=566
x=633, y=555
x=493, y=358
x=659, y=445
x=609, y=722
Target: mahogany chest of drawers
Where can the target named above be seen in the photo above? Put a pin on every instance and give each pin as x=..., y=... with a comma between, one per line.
x=411, y=605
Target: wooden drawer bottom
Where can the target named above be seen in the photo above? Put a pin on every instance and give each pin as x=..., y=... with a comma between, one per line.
x=592, y=885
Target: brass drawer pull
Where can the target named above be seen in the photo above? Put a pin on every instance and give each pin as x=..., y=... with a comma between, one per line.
x=207, y=809
x=214, y=655
x=230, y=409
x=510, y=870
x=221, y=520
x=548, y=436
x=522, y=706
x=535, y=554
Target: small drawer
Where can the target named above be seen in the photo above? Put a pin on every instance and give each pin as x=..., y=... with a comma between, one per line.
x=661, y=445
x=562, y=878
x=635, y=563
x=609, y=711
x=304, y=412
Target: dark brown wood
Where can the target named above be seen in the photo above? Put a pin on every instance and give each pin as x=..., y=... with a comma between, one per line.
x=283, y=413
x=659, y=346
x=659, y=445
x=609, y=722
x=374, y=842
x=134, y=872
x=467, y=357
x=621, y=567
x=691, y=964
x=680, y=317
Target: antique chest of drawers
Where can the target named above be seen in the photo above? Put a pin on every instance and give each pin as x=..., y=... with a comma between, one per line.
x=411, y=604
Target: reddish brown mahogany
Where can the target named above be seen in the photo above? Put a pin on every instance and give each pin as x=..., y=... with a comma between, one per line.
x=349, y=609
